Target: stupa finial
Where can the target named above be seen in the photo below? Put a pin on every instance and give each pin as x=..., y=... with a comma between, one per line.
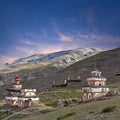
x=95, y=68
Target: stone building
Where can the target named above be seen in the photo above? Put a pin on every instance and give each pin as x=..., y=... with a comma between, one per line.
x=74, y=83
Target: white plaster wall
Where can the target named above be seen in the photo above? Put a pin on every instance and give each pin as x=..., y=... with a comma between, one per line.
x=30, y=94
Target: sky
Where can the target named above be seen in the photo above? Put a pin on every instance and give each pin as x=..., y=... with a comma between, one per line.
x=44, y=26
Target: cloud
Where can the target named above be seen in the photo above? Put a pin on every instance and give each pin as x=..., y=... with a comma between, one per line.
x=25, y=50
x=83, y=36
x=92, y=37
x=58, y=41
x=105, y=38
x=65, y=38
x=7, y=59
x=71, y=41
x=28, y=42
x=50, y=49
x=40, y=49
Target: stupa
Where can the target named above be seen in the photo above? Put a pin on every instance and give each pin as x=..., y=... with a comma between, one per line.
x=96, y=86
x=16, y=96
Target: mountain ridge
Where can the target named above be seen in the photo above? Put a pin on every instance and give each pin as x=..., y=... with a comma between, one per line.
x=56, y=59
x=82, y=51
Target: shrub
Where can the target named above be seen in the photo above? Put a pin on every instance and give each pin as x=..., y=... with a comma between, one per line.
x=65, y=116
x=108, y=109
x=4, y=114
x=46, y=111
x=91, y=112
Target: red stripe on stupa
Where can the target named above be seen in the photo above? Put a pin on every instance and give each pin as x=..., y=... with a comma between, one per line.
x=17, y=78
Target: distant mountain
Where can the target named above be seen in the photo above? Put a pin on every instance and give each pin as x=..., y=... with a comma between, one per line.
x=60, y=59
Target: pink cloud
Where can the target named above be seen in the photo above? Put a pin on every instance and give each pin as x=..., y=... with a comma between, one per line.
x=50, y=49
x=28, y=42
x=83, y=36
x=27, y=51
x=39, y=49
x=65, y=38
x=7, y=59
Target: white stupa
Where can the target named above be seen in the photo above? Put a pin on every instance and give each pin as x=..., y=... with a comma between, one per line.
x=96, y=86
x=16, y=96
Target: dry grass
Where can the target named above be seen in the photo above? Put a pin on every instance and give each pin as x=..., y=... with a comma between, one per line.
x=90, y=111
x=49, y=98
x=115, y=85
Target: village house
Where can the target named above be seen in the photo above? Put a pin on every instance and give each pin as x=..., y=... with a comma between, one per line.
x=73, y=83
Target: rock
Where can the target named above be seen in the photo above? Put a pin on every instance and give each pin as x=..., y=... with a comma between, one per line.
x=59, y=103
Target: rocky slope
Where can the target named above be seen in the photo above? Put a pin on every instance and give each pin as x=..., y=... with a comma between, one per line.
x=107, y=61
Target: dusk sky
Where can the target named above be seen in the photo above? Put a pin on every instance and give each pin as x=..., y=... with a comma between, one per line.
x=43, y=26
